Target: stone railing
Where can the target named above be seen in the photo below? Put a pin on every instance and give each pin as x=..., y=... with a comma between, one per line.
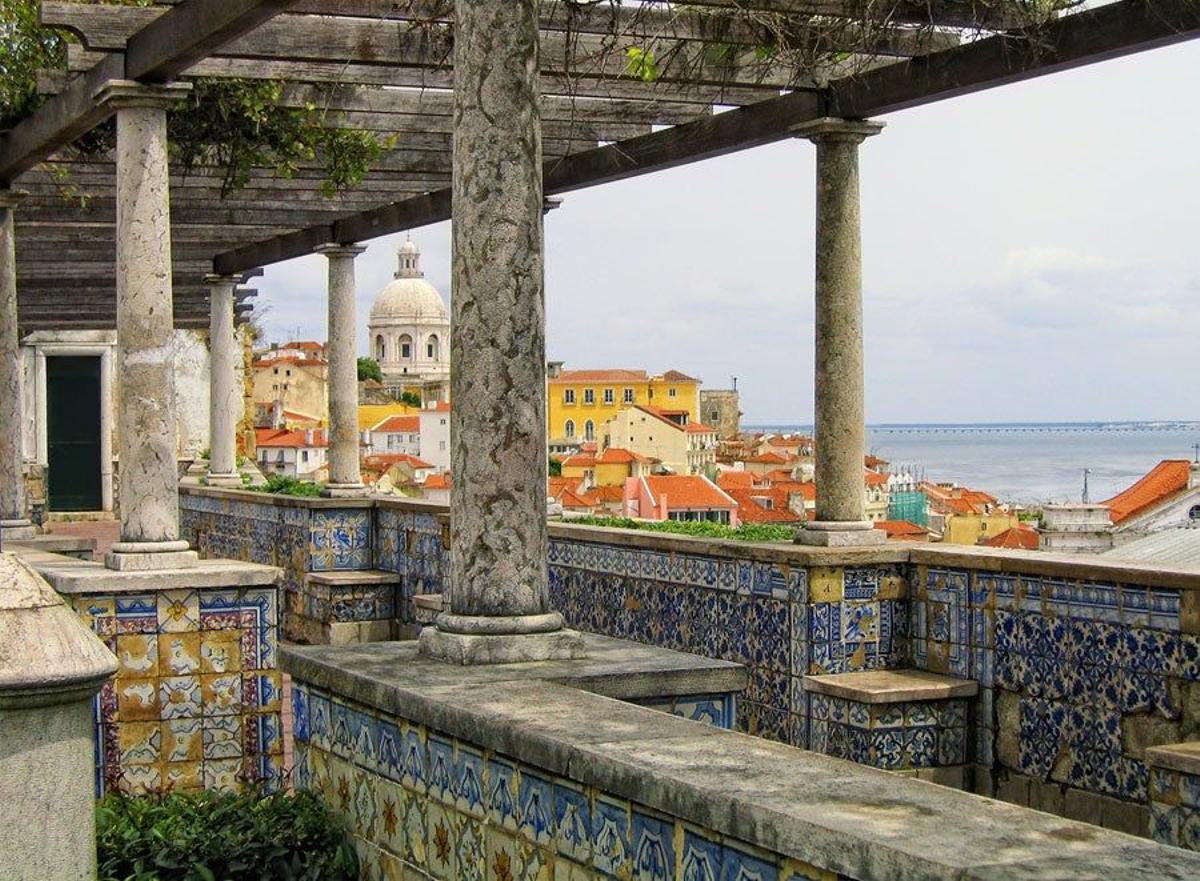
x=1080, y=665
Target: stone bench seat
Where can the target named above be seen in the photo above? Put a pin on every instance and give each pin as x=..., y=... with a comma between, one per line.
x=350, y=606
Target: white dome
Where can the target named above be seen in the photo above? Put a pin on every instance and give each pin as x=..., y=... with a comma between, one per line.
x=409, y=297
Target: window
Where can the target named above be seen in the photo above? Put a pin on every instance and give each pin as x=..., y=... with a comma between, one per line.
x=1194, y=512
x=380, y=349
x=628, y=396
x=608, y=396
x=441, y=445
x=304, y=455
x=406, y=347
x=589, y=430
x=589, y=396
x=431, y=347
x=670, y=393
x=714, y=416
x=569, y=396
x=569, y=428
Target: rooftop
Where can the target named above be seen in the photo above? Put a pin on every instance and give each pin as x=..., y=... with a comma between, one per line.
x=1168, y=477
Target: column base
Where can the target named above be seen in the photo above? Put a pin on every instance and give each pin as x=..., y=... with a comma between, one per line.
x=228, y=481
x=840, y=534
x=502, y=639
x=16, y=530
x=344, y=491
x=150, y=556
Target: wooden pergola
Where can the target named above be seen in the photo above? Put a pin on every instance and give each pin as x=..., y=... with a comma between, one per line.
x=492, y=105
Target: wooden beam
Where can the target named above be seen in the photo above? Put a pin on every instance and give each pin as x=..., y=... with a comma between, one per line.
x=1095, y=35
x=190, y=31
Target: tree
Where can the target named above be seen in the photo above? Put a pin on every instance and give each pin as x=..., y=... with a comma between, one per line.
x=555, y=467
x=412, y=399
x=368, y=368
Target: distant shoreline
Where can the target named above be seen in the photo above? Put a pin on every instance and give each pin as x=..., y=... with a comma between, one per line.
x=1151, y=425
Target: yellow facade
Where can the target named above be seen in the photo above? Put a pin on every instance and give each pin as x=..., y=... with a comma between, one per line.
x=613, y=474
x=596, y=396
x=301, y=387
x=370, y=415
x=971, y=529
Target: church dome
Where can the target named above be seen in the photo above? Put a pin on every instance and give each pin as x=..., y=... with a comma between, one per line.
x=409, y=297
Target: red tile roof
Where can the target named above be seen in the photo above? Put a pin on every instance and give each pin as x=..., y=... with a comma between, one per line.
x=688, y=491
x=1163, y=480
x=410, y=424
x=580, y=460
x=770, y=457
x=699, y=428
x=608, y=493
x=601, y=376
x=874, y=461
x=751, y=509
x=290, y=362
x=806, y=488
x=387, y=460
x=620, y=456
x=901, y=529
x=438, y=481
x=305, y=345
x=676, y=376
x=439, y=407
x=1017, y=537
x=728, y=480
x=874, y=478
x=294, y=439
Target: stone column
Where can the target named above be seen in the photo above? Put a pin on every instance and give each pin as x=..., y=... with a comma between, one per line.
x=840, y=416
x=146, y=424
x=50, y=671
x=499, y=592
x=345, y=474
x=224, y=393
x=14, y=513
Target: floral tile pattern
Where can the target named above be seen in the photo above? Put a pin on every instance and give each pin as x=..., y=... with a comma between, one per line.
x=195, y=702
x=534, y=825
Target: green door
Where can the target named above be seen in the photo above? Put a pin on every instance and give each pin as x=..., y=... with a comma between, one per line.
x=73, y=433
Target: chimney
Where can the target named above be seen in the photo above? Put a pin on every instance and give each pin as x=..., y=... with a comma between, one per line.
x=308, y=437
x=554, y=369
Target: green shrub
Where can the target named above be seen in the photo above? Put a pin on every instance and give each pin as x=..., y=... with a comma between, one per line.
x=745, y=532
x=282, y=485
x=212, y=836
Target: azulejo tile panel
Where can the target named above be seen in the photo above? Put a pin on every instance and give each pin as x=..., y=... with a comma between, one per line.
x=340, y=539
x=491, y=818
x=195, y=702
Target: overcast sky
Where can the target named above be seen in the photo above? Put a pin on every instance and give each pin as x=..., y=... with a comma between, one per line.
x=1030, y=253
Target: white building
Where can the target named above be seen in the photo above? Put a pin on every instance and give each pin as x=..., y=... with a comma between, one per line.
x=299, y=454
x=395, y=434
x=435, y=435
x=410, y=332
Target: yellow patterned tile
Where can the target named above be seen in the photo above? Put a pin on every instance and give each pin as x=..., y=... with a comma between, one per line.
x=826, y=584
x=221, y=693
x=178, y=654
x=137, y=656
x=137, y=699
x=182, y=776
x=393, y=803
x=222, y=774
x=140, y=743
x=90, y=608
x=221, y=651
x=141, y=779
x=892, y=587
x=182, y=740
x=795, y=870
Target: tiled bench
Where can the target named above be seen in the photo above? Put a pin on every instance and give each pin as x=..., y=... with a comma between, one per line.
x=897, y=720
x=350, y=606
x=1175, y=794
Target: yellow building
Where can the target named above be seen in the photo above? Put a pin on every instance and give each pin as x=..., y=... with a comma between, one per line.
x=582, y=401
x=295, y=376
x=681, y=446
x=966, y=516
x=370, y=415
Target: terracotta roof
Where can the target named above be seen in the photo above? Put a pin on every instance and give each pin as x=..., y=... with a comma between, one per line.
x=875, y=462
x=699, y=428
x=901, y=529
x=777, y=474
x=620, y=456
x=769, y=458
x=728, y=480
x=290, y=362
x=608, y=493
x=572, y=499
x=580, y=460
x=676, y=376
x=280, y=438
x=601, y=376
x=874, y=478
x=410, y=424
x=387, y=460
x=556, y=485
x=1164, y=479
x=439, y=407
x=688, y=491
x=751, y=510
x=305, y=345
x=1017, y=537
x=806, y=488
x=438, y=481
x=660, y=415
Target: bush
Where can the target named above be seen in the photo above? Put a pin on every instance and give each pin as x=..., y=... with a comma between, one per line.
x=212, y=836
x=745, y=532
x=282, y=485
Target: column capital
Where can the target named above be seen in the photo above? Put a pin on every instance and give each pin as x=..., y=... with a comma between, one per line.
x=11, y=198
x=333, y=249
x=212, y=279
x=551, y=203
x=833, y=128
x=117, y=94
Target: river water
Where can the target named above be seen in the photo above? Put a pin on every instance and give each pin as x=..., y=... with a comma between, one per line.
x=1031, y=462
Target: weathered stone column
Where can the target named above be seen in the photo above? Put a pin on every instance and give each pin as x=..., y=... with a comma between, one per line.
x=499, y=592
x=146, y=424
x=50, y=670
x=14, y=514
x=224, y=393
x=840, y=415
x=345, y=474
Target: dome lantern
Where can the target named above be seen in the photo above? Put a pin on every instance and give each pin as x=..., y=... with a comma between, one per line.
x=410, y=261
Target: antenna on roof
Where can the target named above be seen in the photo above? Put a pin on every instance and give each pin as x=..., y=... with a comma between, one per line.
x=734, y=378
x=1086, y=472
x=1196, y=449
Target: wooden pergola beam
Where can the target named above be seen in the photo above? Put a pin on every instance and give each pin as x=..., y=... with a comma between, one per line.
x=152, y=53
x=1087, y=37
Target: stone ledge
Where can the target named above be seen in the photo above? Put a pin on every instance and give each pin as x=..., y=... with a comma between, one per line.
x=54, y=543
x=861, y=822
x=275, y=499
x=69, y=575
x=353, y=577
x=1182, y=757
x=891, y=686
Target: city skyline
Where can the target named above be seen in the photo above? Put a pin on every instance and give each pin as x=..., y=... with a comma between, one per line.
x=1025, y=313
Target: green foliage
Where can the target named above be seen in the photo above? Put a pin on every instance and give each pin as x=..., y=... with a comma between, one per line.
x=237, y=125
x=368, y=368
x=555, y=467
x=282, y=485
x=412, y=399
x=704, y=529
x=640, y=64
x=218, y=836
